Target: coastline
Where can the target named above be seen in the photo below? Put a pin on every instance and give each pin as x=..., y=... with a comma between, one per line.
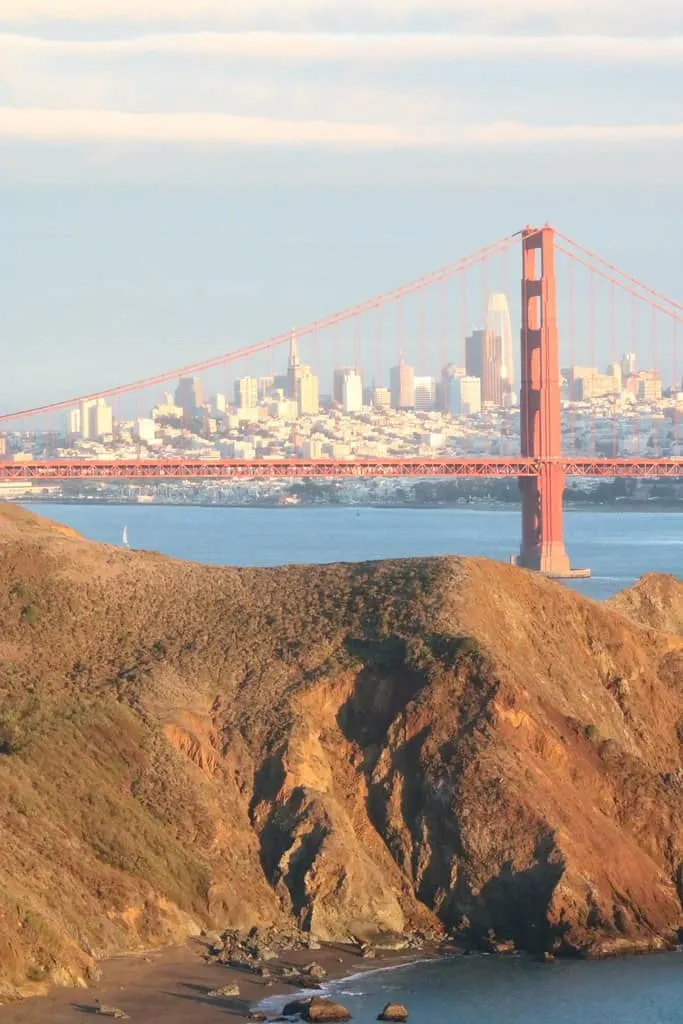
x=173, y=984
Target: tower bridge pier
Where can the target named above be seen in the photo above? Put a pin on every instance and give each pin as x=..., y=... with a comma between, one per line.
x=542, y=547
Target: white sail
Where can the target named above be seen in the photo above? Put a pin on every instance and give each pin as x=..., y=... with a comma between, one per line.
x=124, y=537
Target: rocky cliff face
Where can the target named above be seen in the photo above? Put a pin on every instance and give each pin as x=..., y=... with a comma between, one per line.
x=380, y=748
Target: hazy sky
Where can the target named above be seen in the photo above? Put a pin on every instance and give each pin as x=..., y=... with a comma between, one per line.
x=181, y=177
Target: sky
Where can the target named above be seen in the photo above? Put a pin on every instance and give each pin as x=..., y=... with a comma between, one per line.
x=179, y=178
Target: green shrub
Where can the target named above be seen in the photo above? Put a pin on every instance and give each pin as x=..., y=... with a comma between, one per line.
x=30, y=614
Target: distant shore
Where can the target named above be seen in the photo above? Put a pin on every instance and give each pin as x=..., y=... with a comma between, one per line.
x=486, y=505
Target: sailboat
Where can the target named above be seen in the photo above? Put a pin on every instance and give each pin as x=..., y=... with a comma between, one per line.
x=124, y=538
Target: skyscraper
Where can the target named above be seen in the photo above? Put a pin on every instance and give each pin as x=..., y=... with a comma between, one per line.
x=628, y=365
x=425, y=393
x=484, y=359
x=246, y=392
x=402, y=381
x=308, y=393
x=498, y=324
x=189, y=396
x=295, y=371
x=464, y=396
x=100, y=419
x=352, y=391
x=338, y=376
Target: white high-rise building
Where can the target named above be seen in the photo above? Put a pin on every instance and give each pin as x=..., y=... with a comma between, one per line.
x=352, y=391
x=145, y=430
x=84, y=420
x=498, y=323
x=425, y=393
x=628, y=365
x=464, y=396
x=74, y=421
x=100, y=419
x=246, y=392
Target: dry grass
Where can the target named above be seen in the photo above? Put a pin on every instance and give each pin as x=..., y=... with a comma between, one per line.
x=171, y=734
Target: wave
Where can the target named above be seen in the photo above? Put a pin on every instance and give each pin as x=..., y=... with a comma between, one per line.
x=334, y=985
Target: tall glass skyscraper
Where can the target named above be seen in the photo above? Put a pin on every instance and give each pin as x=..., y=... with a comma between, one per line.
x=498, y=323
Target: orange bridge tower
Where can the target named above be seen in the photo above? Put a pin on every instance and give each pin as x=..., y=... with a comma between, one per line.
x=540, y=411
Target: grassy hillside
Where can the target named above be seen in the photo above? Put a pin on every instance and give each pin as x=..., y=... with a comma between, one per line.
x=349, y=748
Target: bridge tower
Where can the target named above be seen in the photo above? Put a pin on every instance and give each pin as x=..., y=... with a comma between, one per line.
x=541, y=430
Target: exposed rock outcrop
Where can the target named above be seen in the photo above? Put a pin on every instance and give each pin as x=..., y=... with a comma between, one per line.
x=368, y=751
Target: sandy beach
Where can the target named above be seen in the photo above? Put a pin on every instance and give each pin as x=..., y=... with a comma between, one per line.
x=173, y=985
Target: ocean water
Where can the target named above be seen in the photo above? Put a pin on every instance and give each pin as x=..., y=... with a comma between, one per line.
x=619, y=547
x=516, y=990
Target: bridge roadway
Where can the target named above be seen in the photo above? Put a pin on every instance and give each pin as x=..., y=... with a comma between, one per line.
x=272, y=469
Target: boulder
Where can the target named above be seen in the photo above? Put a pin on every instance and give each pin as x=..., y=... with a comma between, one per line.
x=323, y=1010
x=296, y=1008
x=225, y=992
x=315, y=970
x=393, y=1011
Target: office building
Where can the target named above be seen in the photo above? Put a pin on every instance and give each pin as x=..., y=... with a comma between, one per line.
x=425, y=394
x=615, y=371
x=246, y=393
x=483, y=359
x=266, y=387
x=73, y=422
x=628, y=365
x=338, y=375
x=464, y=396
x=189, y=396
x=402, y=380
x=100, y=419
x=449, y=371
x=295, y=369
x=593, y=385
x=649, y=386
x=352, y=391
x=308, y=393
x=145, y=431
x=498, y=324
x=84, y=420
x=381, y=398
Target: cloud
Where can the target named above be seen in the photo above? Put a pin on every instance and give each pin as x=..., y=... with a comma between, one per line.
x=44, y=125
x=40, y=124
x=356, y=47
x=496, y=13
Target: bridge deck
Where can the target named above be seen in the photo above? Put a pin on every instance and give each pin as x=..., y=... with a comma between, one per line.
x=263, y=469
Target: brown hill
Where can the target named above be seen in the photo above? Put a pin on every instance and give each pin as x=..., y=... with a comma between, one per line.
x=385, y=747
x=655, y=601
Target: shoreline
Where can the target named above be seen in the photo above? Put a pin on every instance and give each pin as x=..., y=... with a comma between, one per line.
x=173, y=984
x=617, y=507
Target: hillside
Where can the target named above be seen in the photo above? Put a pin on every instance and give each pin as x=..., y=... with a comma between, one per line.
x=386, y=747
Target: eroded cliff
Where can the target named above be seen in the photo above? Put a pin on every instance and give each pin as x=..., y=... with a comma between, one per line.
x=388, y=747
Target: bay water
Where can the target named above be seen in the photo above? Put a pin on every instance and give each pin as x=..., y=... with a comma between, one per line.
x=618, y=547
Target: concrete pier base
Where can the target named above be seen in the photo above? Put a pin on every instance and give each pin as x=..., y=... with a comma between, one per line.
x=556, y=567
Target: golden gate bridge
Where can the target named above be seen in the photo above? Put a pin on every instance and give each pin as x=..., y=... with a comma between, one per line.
x=599, y=304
